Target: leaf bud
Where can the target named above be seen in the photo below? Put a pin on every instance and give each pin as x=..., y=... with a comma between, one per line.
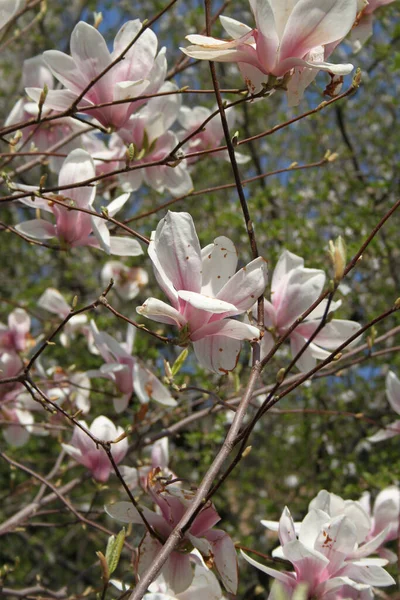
x=337, y=253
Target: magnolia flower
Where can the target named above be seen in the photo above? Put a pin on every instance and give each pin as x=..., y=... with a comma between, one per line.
x=210, y=136
x=15, y=336
x=83, y=449
x=72, y=227
x=204, y=290
x=324, y=556
x=126, y=372
x=148, y=134
x=215, y=546
x=20, y=420
x=53, y=301
x=365, y=20
x=290, y=37
x=47, y=134
x=385, y=518
x=128, y=281
x=393, y=396
x=8, y=9
x=141, y=71
x=294, y=289
x=10, y=366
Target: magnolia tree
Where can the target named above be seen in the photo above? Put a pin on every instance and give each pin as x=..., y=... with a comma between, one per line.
x=200, y=281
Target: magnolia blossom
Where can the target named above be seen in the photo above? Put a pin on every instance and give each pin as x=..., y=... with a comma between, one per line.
x=326, y=556
x=47, y=134
x=126, y=371
x=204, y=291
x=148, y=134
x=365, y=20
x=210, y=136
x=72, y=227
x=8, y=9
x=15, y=336
x=128, y=281
x=83, y=449
x=290, y=38
x=294, y=289
x=215, y=546
x=393, y=396
x=141, y=71
x=385, y=518
x=12, y=411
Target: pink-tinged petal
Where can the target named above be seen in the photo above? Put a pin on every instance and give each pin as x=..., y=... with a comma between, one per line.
x=177, y=180
x=175, y=252
x=308, y=563
x=385, y=434
x=65, y=70
x=267, y=40
x=90, y=53
x=371, y=546
x=225, y=558
x=178, y=572
x=246, y=285
x=336, y=69
x=73, y=451
x=147, y=387
x=125, y=246
x=311, y=25
x=58, y=100
x=160, y=311
x=297, y=292
x=307, y=361
x=286, y=527
x=338, y=536
x=148, y=549
x=77, y=167
x=139, y=60
x=393, y=391
x=254, y=78
x=287, y=262
x=207, y=518
x=229, y=328
x=332, y=335
x=266, y=344
x=219, y=261
x=235, y=29
x=101, y=233
x=121, y=404
x=356, y=513
x=218, y=54
x=285, y=578
x=37, y=229
x=204, y=585
x=368, y=573
x=311, y=526
x=387, y=511
x=36, y=73
x=217, y=353
x=360, y=34
x=201, y=302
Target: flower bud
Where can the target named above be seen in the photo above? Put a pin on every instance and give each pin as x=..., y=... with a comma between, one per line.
x=337, y=253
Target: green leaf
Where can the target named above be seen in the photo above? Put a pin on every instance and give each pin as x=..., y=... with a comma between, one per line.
x=114, y=549
x=176, y=367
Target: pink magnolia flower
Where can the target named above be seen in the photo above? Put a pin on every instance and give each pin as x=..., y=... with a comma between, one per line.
x=142, y=71
x=47, y=134
x=83, y=449
x=210, y=136
x=72, y=227
x=149, y=131
x=17, y=418
x=10, y=366
x=204, y=291
x=289, y=36
x=324, y=556
x=215, y=546
x=385, y=518
x=8, y=9
x=126, y=371
x=393, y=396
x=128, y=281
x=365, y=20
x=294, y=289
x=15, y=336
